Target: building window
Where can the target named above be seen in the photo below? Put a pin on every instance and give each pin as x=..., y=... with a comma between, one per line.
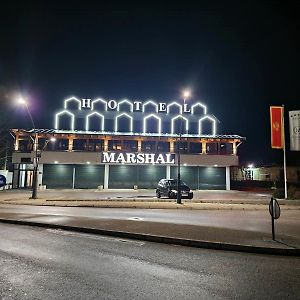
x=183, y=147
x=95, y=145
x=211, y=148
x=25, y=146
x=195, y=147
x=163, y=147
x=61, y=144
x=114, y=145
x=148, y=146
x=79, y=145
x=130, y=145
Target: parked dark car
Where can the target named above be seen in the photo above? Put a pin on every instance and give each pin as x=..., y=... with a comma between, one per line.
x=168, y=188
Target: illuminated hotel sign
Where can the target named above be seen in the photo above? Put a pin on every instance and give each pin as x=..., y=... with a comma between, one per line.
x=135, y=105
x=137, y=158
x=137, y=115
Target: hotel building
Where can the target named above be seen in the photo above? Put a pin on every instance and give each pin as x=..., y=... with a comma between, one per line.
x=126, y=144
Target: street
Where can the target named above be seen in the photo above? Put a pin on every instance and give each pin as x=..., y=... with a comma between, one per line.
x=52, y=264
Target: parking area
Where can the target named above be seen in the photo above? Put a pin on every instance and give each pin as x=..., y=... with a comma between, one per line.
x=127, y=194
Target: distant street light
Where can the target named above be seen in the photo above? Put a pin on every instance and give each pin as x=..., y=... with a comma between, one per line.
x=185, y=94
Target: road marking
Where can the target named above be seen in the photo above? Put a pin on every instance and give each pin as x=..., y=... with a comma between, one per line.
x=135, y=219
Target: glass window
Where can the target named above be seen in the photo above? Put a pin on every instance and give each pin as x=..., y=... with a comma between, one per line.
x=148, y=146
x=114, y=145
x=163, y=147
x=130, y=145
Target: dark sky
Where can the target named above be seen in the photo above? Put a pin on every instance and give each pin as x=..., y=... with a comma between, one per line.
x=237, y=57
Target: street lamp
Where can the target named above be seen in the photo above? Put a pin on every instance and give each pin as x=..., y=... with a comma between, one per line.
x=22, y=101
x=185, y=95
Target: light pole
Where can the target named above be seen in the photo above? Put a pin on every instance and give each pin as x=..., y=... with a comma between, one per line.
x=186, y=94
x=22, y=101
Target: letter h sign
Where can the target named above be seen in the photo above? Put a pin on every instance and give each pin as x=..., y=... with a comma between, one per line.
x=86, y=103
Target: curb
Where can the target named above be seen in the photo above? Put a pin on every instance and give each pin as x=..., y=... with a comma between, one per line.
x=151, y=205
x=162, y=239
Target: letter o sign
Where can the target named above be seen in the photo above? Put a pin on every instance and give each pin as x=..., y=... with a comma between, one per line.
x=112, y=104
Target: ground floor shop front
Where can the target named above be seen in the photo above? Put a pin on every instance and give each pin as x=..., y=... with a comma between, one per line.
x=90, y=176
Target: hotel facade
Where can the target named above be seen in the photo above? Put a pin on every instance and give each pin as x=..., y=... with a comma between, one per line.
x=126, y=144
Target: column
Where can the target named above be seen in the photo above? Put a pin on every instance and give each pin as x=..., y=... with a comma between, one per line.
x=17, y=142
x=70, y=144
x=139, y=146
x=105, y=146
x=172, y=147
x=227, y=178
x=35, y=143
x=168, y=172
x=203, y=147
x=106, y=175
x=234, y=148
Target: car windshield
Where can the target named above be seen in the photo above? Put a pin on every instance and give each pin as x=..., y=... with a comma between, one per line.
x=173, y=182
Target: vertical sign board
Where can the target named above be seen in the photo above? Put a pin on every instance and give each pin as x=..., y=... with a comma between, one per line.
x=277, y=134
x=294, y=118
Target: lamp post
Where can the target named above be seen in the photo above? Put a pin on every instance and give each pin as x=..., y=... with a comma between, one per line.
x=186, y=94
x=22, y=101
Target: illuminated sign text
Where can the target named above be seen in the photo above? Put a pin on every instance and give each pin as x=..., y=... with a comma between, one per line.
x=137, y=158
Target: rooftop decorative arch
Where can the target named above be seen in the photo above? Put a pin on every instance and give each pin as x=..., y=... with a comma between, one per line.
x=127, y=116
x=213, y=122
x=178, y=117
x=125, y=101
x=72, y=99
x=64, y=112
x=99, y=100
x=172, y=104
x=152, y=103
x=87, y=120
x=152, y=116
x=199, y=104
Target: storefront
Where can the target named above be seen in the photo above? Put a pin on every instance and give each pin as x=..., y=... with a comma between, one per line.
x=124, y=145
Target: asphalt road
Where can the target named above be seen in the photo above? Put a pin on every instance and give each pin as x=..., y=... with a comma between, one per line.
x=255, y=221
x=51, y=264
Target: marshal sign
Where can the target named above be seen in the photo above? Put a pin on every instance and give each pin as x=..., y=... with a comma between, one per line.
x=137, y=158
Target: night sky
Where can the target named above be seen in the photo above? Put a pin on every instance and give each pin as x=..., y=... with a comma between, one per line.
x=237, y=57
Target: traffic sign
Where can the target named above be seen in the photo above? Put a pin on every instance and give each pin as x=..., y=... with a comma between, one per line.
x=274, y=209
x=2, y=181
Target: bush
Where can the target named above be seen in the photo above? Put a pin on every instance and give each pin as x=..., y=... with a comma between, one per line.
x=278, y=193
x=292, y=192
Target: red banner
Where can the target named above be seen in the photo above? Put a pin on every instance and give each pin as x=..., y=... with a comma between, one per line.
x=277, y=135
